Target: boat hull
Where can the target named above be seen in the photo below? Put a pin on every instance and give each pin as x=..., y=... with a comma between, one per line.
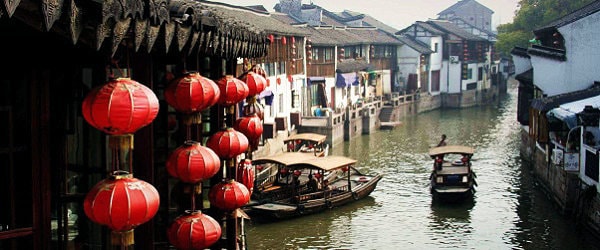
x=278, y=210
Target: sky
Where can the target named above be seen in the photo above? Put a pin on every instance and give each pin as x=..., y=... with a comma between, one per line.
x=397, y=13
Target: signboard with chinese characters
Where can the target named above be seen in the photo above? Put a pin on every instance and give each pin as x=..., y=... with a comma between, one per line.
x=571, y=161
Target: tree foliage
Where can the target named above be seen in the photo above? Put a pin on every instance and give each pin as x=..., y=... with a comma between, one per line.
x=531, y=15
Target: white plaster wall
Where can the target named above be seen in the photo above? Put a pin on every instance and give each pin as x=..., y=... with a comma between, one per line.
x=386, y=80
x=583, y=51
x=436, y=59
x=522, y=64
x=455, y=78
x=549, y=76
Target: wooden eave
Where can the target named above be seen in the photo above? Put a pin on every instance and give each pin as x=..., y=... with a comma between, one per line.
x=185, y=25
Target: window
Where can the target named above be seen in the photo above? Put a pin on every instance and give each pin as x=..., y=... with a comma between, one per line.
x=480, y=73
x=435, y=47
x=328, y=54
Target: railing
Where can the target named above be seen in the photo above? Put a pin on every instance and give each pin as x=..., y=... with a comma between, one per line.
x=396, y=98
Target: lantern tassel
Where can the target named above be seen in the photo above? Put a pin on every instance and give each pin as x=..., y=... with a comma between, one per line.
x=122, y=238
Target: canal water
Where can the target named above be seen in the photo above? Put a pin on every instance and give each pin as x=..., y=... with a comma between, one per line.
x=509, y=211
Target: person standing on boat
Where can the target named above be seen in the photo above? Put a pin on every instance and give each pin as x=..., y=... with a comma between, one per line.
x=443, y=141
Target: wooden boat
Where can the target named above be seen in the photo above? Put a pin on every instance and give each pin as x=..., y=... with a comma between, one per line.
x=307, y=143
x=296, y=198
x=452, y=178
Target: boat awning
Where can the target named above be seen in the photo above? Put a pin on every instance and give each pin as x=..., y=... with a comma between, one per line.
x=326, y=163
x=298, y=160
x=344, y=80
x=567, y=112
x=452, y=149
x=285, y=158
x=306, y=137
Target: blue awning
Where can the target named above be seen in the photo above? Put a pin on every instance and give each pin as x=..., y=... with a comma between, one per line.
x=568, y=112
x=344, y=80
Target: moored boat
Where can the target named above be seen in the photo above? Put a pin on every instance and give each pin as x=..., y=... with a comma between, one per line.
x=307, y=143
x=452, y=178
x=301, y=198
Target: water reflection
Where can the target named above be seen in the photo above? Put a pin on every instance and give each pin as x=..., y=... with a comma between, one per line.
x=507, y=212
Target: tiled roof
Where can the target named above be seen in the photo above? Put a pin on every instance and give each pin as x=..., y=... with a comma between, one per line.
x=373, y=35
x=457, y=5
x=452, y=28
x=371, y=21
x=352, y=65
x=262, y=20
x=548, y=103
x=415, y=44
x=574, y=16
x=423, y=25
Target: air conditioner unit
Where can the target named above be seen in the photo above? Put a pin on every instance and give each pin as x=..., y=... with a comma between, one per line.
x=454, y=59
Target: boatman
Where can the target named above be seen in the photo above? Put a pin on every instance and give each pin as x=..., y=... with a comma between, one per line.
x=443, y=141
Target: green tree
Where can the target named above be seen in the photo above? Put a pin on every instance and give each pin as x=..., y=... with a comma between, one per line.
x=532, y=15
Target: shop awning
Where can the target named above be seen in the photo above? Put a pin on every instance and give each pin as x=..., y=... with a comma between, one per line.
x=567, y=112
x=344, y=80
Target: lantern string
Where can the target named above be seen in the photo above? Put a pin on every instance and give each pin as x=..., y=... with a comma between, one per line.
x=193, y=197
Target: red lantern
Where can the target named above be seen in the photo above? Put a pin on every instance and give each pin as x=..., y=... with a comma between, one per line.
x=252, y=127
x=317, y=175
x=229, y=195
x=245, y=174
x=271, y=38
x=121, y=106
x=293, y=40
x=228, y=143
x=232, y=90
x=194, y=230
x=345, y=169
x=121, y=203
x=283, y=40
x=192, y=93
x=256, y=83
x=192, y=162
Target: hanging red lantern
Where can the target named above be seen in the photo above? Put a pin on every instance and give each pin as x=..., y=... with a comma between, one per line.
x=255, y=82
x=283, y=40
x=121, y=106
x=228, y=143
x=192, y=163
x=293, y=40
x=121, y=203
x=318, y=175
x=245, y=174
x=232, y=90
x=278, y=80
x=345, y=169
x=229, y=195
x=290, y=78
x=251, y=126
x=194, y=230
x=271, y=38
x=192, y=93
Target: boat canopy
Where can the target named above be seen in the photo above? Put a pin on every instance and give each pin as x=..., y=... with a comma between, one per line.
x=452, y=149
x=285, y=158
x=296, y=160
x=326, y=163
x=319, y=138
